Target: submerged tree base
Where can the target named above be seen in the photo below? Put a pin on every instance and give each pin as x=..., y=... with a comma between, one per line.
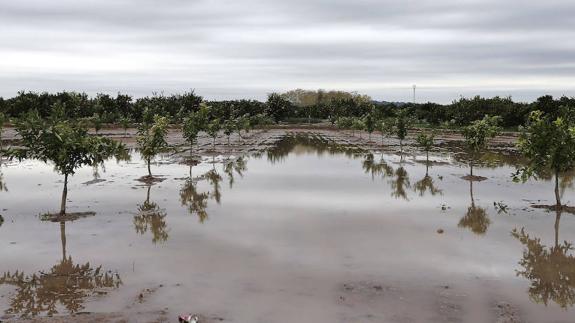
x=474, y=178
x=67, y=217
x=151, y=179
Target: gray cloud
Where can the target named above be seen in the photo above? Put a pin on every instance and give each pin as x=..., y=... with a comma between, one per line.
x=247, y=48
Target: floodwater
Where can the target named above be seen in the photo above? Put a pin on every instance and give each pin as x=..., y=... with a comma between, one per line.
x=306, y=232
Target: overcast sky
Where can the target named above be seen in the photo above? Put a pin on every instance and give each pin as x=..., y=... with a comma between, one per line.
x=247, y=48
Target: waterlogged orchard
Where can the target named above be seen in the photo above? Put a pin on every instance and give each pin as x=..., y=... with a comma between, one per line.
x=242, y=217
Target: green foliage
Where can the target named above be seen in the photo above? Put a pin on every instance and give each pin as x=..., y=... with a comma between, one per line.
x=425, y=141
x=357, y=124
x=369, y=122
x=152, y=138
x=229, y=127
x=65, y=144
x=478, y=134
x=212, y=129
x=97, y=122
x=344, y=122
x=277, y=107
x=125, y=122
x=194, y=123
x=2, y=121
x=402, y=124
x=549, y=145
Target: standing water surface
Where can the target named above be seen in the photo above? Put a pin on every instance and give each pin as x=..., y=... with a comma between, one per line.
x=307, y=230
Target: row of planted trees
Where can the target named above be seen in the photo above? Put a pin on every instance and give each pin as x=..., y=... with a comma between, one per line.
x=292, y=106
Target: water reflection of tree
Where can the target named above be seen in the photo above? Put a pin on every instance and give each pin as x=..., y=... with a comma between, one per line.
x=475, y=218
x=66, y=285
x=400, y=183
x=214, y=178
x=238, y=166
x=426, y=183
x=195, y=201
x=151, y=217
x=319, y=144
x=551, y=270
x=376, y=168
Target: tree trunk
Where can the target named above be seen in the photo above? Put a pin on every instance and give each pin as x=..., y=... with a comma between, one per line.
x=149, y=169
x=471, y=194
x=370, y=136
x=471, y=168
x=63, y=238
x=64, y=195
x=427, y=164
x=557, y=218
x=382, y=138
x=557, y=193
x=214, y=144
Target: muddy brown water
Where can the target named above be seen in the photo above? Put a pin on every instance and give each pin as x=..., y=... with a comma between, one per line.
x=306, y=232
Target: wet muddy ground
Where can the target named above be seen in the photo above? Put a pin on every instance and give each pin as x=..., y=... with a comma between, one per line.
x=287, y=225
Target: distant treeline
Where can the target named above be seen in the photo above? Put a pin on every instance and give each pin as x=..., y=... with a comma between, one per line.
x=295, y=104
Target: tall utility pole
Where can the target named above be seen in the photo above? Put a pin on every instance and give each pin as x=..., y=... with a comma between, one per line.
x=414, y=94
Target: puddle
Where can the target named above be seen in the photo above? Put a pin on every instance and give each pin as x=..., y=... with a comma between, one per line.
x=309, y=228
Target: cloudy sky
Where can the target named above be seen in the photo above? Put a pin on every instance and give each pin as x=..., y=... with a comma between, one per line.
x=247, y=48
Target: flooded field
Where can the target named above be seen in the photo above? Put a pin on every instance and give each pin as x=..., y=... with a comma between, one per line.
x=307, y=231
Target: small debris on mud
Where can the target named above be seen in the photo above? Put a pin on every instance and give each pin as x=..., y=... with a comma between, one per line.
x=440, y=231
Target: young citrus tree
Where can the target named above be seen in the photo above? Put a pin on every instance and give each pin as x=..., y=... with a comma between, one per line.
x=425, y=142
x=384, y=127
x=369, y=122
x=65, y=144
x=549, y=146
x=212, y=130
x=2, y=121
x=125, y=123
x=152, y=139
x=358, y=125
x=477, y=136
x=191, y=126
x=401, y=126
x=229, y=127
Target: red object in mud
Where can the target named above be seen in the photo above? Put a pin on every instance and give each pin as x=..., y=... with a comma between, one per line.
x=188, y=319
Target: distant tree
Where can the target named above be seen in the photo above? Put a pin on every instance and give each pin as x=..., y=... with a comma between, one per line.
x=401, y=126
x=97, y=122
x=277, y=107
x=125, y=122
x=65, y=144
x=477, y=136
x=384, y=127
x=2, y=121
x=358, y=125
x=152, y=139
x=549, y=146
x=213, y=129
x=370, y=124
x=425, y=142
x=229, y=127
x=192, y=125
x=344, y=123
x=242, y=123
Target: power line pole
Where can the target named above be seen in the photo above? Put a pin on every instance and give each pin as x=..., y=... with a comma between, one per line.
x=414, y=86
